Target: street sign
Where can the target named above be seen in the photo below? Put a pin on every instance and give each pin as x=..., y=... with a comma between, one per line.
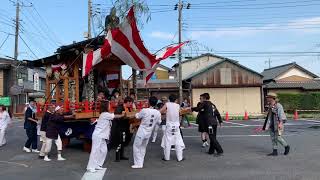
x=36, y=81
x=6, y=101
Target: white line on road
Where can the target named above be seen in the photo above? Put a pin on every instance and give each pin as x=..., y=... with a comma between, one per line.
x=94, y=176
x=315, y=121
x=248, y=135
x=19, y=164
x=228, y=122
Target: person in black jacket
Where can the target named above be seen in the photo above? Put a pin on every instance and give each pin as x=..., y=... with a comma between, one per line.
x=209, y=117
x=43, y=129
x=52, y=132
x=30, y=125
x=120, y=130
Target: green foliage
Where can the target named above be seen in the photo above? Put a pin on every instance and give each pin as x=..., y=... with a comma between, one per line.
x=308, y=101
x=142, y=10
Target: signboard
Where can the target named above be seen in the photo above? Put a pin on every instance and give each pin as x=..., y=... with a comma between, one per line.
x=6, y=101
x=20, y=82
x=36, y=82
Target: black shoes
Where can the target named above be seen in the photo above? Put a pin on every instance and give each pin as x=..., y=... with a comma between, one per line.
x=286, y=150
x=274, y=153
x=218, y=155
x=41, y=157
x=210, y=153
x=163, y=159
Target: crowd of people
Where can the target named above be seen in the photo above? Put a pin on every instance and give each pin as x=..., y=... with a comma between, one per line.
x=113, y=130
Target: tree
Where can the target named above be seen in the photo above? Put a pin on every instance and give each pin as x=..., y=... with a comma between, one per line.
x=141, y=9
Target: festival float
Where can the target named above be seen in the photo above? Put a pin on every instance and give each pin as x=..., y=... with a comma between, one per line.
x=77, y=72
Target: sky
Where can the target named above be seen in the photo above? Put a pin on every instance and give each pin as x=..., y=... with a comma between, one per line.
x=249, y=31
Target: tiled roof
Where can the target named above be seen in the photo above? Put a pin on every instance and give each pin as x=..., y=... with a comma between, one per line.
x=215, y=64
x=307, y=85
x=204, y=55
x=272, y=73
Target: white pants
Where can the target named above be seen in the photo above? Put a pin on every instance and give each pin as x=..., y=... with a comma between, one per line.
x=172, y=139
x=179, y=153
x=99, y=151
x=156, y=129
x=139, y=150
x=48, y=144
x=44, y=140
x=2, y=136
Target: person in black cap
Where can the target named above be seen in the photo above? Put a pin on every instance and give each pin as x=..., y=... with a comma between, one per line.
x=30, y=125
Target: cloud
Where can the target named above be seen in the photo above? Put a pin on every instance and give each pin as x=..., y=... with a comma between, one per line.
x=306, y=25
x=162, y=35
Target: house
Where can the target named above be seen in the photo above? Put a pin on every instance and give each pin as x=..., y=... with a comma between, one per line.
x=233, y=87
x=290, y=78
x=162, y=83
x=20, y=82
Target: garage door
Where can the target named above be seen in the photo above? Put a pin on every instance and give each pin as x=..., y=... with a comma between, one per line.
x=235, y=101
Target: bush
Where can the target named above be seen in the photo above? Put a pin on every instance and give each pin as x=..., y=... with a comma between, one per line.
x=308, y=101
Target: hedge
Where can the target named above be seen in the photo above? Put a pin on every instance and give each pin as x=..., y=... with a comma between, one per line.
x=308, y=101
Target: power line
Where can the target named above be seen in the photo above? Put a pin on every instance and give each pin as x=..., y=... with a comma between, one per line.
x=4, y=41
x=5, y=23
x=37, y=43
x=41, y=31
x=252, y=29
x=55, y=37
x=256, y=4
x=28, y=47
x=40, y=28
x=248, y=8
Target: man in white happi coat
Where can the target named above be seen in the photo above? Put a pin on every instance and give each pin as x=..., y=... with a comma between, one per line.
x=149, y=118
x=172, y=135
x=100, y=138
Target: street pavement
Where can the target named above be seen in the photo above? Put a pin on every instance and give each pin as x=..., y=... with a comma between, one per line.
x=244, y=158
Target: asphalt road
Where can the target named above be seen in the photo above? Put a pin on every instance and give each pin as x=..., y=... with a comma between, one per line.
x=244, y=159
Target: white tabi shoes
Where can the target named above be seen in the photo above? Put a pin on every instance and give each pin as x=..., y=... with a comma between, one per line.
x=136, y=167
x=46, y=158
x=91, y=170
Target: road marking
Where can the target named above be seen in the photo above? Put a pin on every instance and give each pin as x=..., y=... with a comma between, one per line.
x=228, y=122
x=19, y=164
x=315, y=121
x=248, y=135
x=257, y=120
x=94, y=176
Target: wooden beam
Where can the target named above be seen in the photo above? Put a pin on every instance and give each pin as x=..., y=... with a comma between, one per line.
x=57, y=95
x=66, y=89
x=76, y=76
x=48, y=90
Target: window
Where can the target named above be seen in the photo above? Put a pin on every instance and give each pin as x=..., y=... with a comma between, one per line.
x=225, y=74
x=42, y=83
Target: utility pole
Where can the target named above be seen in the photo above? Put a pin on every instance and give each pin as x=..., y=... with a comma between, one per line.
x=180, y=6
x=17, y=31
x=269, y=63
x=89, y=18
